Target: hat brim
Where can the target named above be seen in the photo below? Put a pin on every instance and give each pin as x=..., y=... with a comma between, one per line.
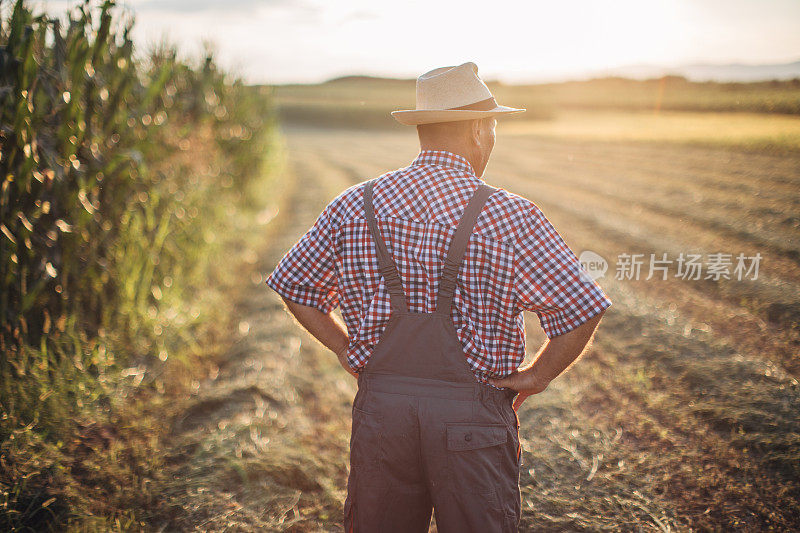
x=411, y=117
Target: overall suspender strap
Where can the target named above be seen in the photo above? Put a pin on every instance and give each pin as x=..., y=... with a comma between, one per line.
x=458, y=247
x=386, y=265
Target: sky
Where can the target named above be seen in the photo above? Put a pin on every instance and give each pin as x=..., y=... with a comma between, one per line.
x=306, y=41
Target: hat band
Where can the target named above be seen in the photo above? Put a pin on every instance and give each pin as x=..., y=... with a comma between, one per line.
x=483, y=105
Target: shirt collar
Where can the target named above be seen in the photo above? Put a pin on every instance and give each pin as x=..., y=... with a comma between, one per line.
x=443, y=158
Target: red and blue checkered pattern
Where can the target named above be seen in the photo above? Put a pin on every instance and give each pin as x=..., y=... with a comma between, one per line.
x=515, y=261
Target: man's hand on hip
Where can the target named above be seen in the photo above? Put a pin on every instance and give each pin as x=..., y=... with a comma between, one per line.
x=553, y=358
x=526, y=382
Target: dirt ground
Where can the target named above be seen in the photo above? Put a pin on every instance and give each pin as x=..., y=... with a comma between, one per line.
x=682, y=417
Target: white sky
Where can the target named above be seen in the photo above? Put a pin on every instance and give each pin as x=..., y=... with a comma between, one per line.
x=280, y=41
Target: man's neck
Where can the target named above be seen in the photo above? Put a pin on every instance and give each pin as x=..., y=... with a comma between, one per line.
x=455, y=148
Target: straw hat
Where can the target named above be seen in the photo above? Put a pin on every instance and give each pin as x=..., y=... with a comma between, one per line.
x=452, y=93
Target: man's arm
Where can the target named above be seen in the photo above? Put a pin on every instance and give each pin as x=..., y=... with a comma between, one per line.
x=555, y=356
x=325, y=327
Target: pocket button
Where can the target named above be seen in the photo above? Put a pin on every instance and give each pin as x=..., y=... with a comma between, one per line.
x=468, y=437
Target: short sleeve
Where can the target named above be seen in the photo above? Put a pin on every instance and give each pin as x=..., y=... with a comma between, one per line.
x=307, y=273
x=550, y=281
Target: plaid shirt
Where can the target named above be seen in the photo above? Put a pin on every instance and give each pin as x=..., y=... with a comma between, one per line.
x=515, y=261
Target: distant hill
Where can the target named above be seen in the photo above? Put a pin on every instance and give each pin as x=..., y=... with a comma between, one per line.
x=737, y=72
x=369, y=79
x=732, y=72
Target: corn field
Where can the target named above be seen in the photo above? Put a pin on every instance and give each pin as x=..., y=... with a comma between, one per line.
x=106, y=218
